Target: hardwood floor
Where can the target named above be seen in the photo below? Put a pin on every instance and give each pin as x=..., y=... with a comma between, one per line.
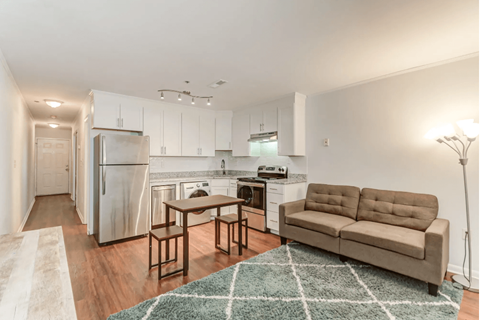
x=111, y=278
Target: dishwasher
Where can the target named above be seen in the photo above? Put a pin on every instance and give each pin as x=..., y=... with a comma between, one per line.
x=159, y=195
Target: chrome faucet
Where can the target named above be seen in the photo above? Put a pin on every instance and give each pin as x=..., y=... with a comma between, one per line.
x=223, y=166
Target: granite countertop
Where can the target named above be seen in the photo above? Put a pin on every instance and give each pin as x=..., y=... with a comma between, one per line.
x=194, y=178
x=289, y=180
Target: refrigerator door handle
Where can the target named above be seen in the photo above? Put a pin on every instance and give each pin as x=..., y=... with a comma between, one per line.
x=104, y=150
x=104, y=178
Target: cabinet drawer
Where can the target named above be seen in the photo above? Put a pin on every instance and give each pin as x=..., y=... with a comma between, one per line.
x=219, y=182
x=272, y=220
x=233, y=183
x=275, y=188
x=273, y=201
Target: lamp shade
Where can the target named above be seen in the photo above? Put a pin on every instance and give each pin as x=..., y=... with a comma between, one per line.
x=462, y=124
x=446, y=130
x=472, y=130
x=432, y=133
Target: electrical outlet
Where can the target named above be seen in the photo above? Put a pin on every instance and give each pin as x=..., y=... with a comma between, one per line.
x=464, y=234
x=326, y=142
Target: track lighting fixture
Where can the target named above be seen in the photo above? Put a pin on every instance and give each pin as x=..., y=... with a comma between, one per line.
x=208, y=102
x=187, y=93
x=161, y=96
x=179, y=97
x=193, y=100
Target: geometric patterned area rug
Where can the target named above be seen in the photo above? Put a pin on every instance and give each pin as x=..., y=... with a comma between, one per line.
x=300, y=282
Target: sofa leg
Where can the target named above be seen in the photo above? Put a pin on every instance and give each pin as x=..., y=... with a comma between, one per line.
x=283, y=240
x=432, y=289
x=343, y=258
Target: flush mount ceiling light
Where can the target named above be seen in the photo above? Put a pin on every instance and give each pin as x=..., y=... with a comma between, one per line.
x=53, y=103
x=53, y=125
x=53, y=117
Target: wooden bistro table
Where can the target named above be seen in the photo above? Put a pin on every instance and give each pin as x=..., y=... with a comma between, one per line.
x=194, y=205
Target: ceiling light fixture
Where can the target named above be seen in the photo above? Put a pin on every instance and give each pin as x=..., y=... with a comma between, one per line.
x=187, y=93
x=161, y=96
x=53, y=103
x=53, y=125
x=53, y=117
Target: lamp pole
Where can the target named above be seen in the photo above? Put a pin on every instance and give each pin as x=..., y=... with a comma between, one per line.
x=446, y=134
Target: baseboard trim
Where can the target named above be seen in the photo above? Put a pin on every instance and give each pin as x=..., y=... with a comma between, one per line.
x=458, y=270
x=80, y=215
x=20, y=229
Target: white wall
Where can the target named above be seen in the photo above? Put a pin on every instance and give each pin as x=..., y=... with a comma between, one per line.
x=376, y=140
x=17, y=166
x=58, y=133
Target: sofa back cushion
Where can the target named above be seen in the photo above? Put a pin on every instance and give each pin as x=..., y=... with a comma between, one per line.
x=405, y=209
x=341, y=200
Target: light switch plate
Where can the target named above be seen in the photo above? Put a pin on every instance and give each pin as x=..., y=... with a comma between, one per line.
x=326, y=142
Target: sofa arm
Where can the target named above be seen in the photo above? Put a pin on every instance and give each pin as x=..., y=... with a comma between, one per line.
x=288, y=208
x=437, y=238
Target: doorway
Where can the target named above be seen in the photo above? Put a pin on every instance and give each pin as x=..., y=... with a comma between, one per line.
x=52, y=166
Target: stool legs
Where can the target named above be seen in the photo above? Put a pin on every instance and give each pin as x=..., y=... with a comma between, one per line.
x=150, y=251
x=218, y=233
x=246, y=234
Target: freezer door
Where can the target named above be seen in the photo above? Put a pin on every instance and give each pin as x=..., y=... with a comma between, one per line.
x=122, y=149
x=123, y=202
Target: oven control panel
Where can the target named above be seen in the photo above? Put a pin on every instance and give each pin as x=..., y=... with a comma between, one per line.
x=272, y=169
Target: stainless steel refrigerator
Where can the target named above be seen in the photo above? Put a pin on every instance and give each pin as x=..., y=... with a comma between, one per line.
x=121, y=186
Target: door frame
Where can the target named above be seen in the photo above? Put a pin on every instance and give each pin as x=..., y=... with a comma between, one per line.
x=74, y=168
x=36, y=161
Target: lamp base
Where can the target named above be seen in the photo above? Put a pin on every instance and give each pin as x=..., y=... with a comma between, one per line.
x=458, y=278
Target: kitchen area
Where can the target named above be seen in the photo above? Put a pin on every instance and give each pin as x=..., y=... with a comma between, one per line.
x=256, y=154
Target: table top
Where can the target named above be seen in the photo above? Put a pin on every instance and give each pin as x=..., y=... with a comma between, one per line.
x=203, y=203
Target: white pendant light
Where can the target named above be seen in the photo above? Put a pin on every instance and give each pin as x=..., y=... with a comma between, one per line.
x=53, y=103
x=53, y=125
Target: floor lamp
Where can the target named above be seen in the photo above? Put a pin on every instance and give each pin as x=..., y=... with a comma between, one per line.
x=446, y=134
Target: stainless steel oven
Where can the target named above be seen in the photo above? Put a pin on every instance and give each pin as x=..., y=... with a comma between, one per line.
x=254, y=206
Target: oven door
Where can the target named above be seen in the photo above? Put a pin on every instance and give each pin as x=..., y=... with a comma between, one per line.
x=254, y=196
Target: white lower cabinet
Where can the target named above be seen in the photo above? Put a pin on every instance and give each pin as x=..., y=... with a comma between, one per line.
x=232, y=192
x=220, y=187
x=278, y=194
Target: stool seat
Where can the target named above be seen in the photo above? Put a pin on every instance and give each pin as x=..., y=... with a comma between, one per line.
x=230, y=218
x=167, y=233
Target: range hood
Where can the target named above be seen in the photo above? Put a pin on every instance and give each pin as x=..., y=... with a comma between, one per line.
x=264, y=137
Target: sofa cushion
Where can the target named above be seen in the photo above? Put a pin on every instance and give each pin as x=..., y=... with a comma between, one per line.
x=397, y=239
x=338, y=200
x=404, y=209
x=326, y=223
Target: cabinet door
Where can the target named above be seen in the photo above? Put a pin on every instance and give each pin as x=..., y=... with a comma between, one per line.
x=240, y=135
x=256, y=121
x=131, y=117
x=106, y=112
x=207, y=135
x=190, y=134
x=224, y=192
x=153, y=127
x=223, y=133
x=285, y=131
x=270, y=120
x=172, y=132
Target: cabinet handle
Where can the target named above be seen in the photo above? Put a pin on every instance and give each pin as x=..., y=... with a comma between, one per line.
x=274, y=220
x=118, y=122
x=273, y=189
x=162, y=150
x=273, y=203
x=122, y=122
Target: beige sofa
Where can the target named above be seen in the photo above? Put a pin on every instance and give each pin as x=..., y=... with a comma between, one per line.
x=398, y=231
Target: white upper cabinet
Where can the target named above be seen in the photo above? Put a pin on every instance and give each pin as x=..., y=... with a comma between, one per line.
x=291, y=128
x=198, y=134
x=111, y=111
x=240, y=135
x=223, y=130
x=207, y=135
x=164, y=128
x=263, y=121
x=172, y=132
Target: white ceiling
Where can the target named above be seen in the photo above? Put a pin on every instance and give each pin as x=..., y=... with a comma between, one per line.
x=60, y=49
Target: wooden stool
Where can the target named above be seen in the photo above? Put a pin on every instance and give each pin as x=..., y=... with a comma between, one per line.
x=229, y=219
x=164, y=234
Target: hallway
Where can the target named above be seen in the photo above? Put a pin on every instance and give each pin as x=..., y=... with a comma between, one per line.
x=108, y=279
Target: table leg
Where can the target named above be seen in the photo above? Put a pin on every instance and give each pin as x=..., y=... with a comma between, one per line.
x=167, y=242
x=218, y=212
x=185, y=244
x=240, y=240
x=149, y=251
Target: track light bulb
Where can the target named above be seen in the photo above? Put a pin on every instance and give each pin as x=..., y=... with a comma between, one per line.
x=208, y=102
x=193, y=100
x=179, y=97
x=161, y=96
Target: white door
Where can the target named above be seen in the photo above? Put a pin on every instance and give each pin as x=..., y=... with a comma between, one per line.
x=153, y=120
x=172, y=133
x=190, y=135
x=256, y=121
x=223, y=132
x=106, y=111
x=52, y=166
x=240, y=135
x=131, y=117
x=270, y=120
x=207, y=135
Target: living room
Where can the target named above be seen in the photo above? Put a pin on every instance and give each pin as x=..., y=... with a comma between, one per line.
x=320, y=107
